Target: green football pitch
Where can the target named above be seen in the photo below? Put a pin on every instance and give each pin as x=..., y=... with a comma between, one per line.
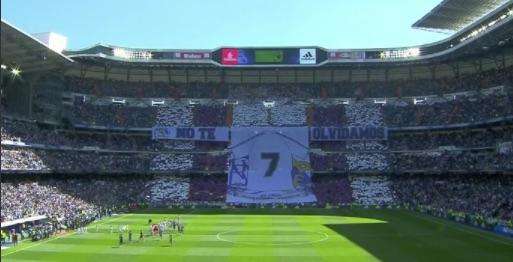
x=275, y=235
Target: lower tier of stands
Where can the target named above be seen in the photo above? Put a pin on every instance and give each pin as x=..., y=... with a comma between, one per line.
x=484, y=200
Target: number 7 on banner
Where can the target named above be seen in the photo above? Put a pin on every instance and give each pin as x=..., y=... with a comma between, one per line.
x=273, y=164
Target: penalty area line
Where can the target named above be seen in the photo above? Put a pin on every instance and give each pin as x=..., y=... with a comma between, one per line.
x=58, y=237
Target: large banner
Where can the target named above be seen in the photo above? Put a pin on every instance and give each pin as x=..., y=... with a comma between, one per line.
x=348, y=133
x=191, y=133
x=269, y=165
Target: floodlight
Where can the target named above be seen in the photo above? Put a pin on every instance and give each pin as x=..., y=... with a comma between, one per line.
x=15, y=71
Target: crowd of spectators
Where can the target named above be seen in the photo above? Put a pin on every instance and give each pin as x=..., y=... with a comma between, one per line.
x=70, y=202
x=30, y=159
x=364, y=114
x=15, y=159
x=372, y=190
x=330, y=115
x=481, y=200
x=208, y=188
x=465, y=108
x=390, y=88
x=457, y=110
x=327, y=162
x=269, y=106
x=211, y=162
x=440, y=161
x=367, y=161
x=174, y=114
x=31, y=132
x=66, y=199
x=164, y=191
x=207, y=162
x=50, y=135
x=172, y=162
x=467, y=138
x=115, y=88
x=275, y=112
x=359, y=158
x=34, y=133
x=29, y=199
x=210, y=115
x=73, y=201
x=113, y=115
x=332, y=189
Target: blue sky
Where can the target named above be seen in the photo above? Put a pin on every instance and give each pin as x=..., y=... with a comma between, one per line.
x=213, y=23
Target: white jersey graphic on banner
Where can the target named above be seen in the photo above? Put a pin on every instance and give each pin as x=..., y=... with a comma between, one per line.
x=269, y=165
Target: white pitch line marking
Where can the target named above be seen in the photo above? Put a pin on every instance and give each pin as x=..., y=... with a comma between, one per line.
x=325, y=237
x=55, y=238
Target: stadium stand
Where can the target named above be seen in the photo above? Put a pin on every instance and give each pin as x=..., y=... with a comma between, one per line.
x=77, y=140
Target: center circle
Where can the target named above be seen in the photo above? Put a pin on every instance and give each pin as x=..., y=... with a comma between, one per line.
x=272, y=238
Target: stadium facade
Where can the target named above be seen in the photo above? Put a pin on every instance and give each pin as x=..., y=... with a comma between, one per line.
x=380, y=126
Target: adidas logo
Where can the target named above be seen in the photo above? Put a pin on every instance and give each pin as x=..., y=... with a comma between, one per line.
x=308, y=55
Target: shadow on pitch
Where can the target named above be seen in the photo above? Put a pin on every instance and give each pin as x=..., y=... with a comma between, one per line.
x=384, y=242
x=405, y=240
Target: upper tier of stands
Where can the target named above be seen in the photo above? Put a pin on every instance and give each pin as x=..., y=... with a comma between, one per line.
x=463, y=108
x=380, y=89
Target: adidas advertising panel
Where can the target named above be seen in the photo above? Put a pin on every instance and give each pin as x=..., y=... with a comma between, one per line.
x=307, y=56
x=269, y=165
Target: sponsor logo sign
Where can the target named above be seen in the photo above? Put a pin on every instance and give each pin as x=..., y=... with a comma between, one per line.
x=230, y=56
x=192, y=55
x=307, y=56
x=246, y=57
x=347, y=55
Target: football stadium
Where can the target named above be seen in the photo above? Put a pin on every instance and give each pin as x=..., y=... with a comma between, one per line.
x=261, y=153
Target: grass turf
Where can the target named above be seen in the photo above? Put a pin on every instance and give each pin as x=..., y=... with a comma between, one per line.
x=277, y=235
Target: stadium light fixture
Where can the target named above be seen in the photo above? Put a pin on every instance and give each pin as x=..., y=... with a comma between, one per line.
x=122, y=53
x=128, y=54
x=3, y=66
x=15, y=71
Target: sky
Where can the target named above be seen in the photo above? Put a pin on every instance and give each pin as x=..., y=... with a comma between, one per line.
x=208, y=24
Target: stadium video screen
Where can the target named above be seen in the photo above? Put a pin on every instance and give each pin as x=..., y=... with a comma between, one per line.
x=268, y=56
x=263, y=56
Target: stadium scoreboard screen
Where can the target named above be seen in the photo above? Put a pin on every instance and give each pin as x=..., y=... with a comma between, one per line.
x=254, y=57
x=269, y=56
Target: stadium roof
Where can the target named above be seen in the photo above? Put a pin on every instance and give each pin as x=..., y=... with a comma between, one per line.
x=27, y=53
x=454, y=15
